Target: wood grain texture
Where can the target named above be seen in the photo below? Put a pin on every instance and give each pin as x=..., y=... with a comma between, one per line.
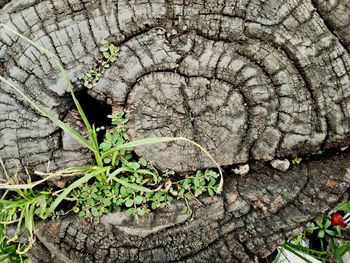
x=249, y=80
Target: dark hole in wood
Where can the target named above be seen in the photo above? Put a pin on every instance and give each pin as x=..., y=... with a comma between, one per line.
x=95, y=111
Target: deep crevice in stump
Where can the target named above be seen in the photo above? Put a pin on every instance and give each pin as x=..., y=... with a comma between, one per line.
x=96, y=111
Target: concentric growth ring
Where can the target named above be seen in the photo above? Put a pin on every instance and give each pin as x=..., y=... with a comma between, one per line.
x=250, y=80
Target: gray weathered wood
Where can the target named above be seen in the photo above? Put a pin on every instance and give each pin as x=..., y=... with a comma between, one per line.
x=251, y=80
x=255, y=214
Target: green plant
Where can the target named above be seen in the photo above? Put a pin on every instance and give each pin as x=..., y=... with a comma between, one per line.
x=139, y=193
x=19, y=207
x=323, y=239
x=297, y=160
x=8, y=250
x=325, y=229
x=109, y=55
x=116, y=172
x=139, y=188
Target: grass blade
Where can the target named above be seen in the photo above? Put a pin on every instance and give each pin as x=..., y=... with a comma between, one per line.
x=295, y=252
x=72, y=132
x=72, y=186
x=63, y=173
x=64, y=74
x=92, y=145
x=113, y=176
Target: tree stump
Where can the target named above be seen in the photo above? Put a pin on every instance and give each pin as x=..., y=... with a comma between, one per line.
x=251, y=81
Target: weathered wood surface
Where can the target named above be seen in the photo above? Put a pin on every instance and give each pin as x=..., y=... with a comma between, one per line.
x=255, y=214
x=250, y=80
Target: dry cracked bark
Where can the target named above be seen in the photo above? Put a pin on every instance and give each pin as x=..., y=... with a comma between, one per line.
x=250, y=80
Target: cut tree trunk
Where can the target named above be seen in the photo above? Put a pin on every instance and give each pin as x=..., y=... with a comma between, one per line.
x=250, y=80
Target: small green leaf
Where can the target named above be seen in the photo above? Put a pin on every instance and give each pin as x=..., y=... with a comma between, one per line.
x=116, y=189
x=186, y=182
x=107, y=201
x=106, y=54
x=90, y=201
x=129, y=202
x=211, y=192
x=81, y=214
x=218, y=189
x=105, y=146
x=140, y=211
x=296, y=160
x=133, y=165
x=116, y=208
x=331, y=232
x=119, y=201
x=212, y=182
x=132, y=179
x=107, y=160
x=321, y=234
x=103, y=48
x=198, y=192
x=124, y=191
x=108, y=136
x=94, y=212
x=328, y=223
x=319, y=222
x=196, y=182
x=128, y=156
x=142, y=161
x=130, y=211
x=113, y=49
x=138, y=199
x=154, y=205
